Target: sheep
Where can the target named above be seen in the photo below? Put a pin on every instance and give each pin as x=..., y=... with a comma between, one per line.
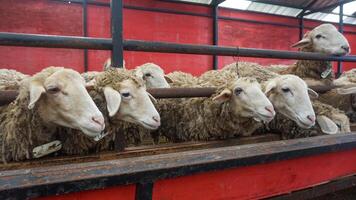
x=121, y=96
x=152, y=74
x=55, y=97
x=237, y=108
x=10, y=79
x=325, y=125
x=284, y=91
x=323, y=39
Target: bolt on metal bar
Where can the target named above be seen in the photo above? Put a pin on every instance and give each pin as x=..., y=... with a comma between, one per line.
x=117, y=55
x=35, y=40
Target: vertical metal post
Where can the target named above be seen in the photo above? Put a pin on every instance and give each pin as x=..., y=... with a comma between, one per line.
x=116, y=33
x=85, y=32
x=301, y=27
x=117, y=55
x=341, y=29
x=215, y=33
x=144, y=191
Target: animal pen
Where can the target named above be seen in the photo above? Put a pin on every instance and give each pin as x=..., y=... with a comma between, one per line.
x=279, y=169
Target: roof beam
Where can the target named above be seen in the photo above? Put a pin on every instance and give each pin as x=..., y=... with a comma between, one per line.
x=216, y=2
x=306, y=8
x=327, y=7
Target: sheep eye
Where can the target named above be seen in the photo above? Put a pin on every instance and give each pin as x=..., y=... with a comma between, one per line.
x=125, y=94
x=53, y=90
x=285, y=90
x=148, y=74
x=319, y=36
x=238, y=91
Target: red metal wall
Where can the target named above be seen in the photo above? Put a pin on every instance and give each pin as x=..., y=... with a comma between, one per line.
x=57, y=18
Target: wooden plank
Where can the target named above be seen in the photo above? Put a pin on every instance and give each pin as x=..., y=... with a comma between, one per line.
x=94, y=175
x=139, y=151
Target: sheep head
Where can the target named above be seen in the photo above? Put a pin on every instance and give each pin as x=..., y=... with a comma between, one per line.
x=153, y=76
x=127, y=99
x=289, y=95
x=60, y=97
x=324, y=39
x=246, y=99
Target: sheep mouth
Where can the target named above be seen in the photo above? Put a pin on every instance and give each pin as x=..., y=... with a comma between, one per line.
x=304, y=125
x=264, y=118
x=148, y=126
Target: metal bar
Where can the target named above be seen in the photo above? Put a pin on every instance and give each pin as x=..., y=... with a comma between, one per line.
x=34, y=40
x=54, y=41
x=117, y=55
x=306, y=8
x=85, y=32
x=215, y=33
x=144, y=191
x=328, y=7
x=301, y=27
x=94, y=175
x=8, y=96
x=341, y=29
x=165, y=47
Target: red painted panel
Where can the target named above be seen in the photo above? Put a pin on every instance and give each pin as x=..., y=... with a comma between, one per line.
x=51, y=17
x=112, y=193
x=258, y=181
x=41, y=17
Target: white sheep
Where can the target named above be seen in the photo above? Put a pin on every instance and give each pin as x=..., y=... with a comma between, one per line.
x=121, y=96
x=236, y=109
x=289, y=95
x=323, y=39
x=55, y=97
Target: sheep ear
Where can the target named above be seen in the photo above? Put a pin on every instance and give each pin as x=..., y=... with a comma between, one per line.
x=271, y=85
x=169, y=80
x=223, y=96
x=327, y=126
x=107, y=64
x=90, y=85
x=302, y=43
x=36, y=90
x=113, y=100
x=154, y=100
x=312, y=94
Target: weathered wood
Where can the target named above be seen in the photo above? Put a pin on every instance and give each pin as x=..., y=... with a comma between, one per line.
x=94, y=175
x=139, y=151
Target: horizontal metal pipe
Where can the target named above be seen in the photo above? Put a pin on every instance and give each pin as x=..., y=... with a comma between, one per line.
x=53, y=41
x=7, y=96
x=165, y=47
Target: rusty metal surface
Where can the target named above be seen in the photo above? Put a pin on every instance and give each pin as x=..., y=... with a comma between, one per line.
x=94, y=175
x=8, y=96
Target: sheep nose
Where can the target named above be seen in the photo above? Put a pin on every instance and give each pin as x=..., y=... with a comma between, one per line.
x=270, y=109
x=346, y=48
x=311, y=118
x=156, y=119
x=99, y=120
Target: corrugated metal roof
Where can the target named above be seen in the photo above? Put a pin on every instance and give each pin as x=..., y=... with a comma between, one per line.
x=294, y=7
